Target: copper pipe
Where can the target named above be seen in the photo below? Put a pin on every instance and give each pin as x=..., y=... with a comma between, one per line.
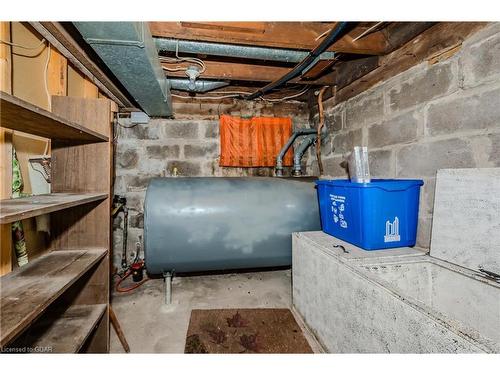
x=320, y=126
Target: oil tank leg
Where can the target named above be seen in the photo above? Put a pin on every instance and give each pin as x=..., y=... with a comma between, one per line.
x=168, y=287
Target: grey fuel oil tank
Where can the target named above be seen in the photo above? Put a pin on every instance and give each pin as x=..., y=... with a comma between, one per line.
x=208, y=223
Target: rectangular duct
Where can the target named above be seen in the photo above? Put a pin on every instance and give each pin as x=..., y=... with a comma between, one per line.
x=128, y=50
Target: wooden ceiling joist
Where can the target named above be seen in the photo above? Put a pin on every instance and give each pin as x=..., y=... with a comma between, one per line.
x=235, y=71
x=293, y=35
x=229, y=71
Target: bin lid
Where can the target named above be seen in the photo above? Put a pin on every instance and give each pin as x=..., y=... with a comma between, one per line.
x=466, y=221
x=386, y=184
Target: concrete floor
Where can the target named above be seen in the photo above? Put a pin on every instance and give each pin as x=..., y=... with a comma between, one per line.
x=153, y=327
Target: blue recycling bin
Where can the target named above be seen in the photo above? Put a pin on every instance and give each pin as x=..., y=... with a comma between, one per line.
x=381, y=214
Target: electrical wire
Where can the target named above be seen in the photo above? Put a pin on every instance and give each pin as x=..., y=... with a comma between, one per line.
x=46, y=66
x=178, y=59
x=130, y=288
x=367, y=31
x=124, y=126
x=286, y=97
x=46, y=70
x=21, y=46
x=237, y=94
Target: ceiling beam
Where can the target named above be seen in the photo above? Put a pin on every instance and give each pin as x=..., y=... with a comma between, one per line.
x=399, y=33
x=234, y=71
x=294, y=35
x=343, y=73
x=246, y=72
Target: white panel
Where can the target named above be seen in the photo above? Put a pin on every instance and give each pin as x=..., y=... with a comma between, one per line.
x=466, y=223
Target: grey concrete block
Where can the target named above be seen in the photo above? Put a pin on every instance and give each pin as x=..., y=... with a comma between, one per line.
x=140, y=131
x=485, y=149
x=400, y=129
x=351, y=311
x=127, y=159
x=344, y=142
x=184, y=168
x=423, y=160
x=437, y=80
x=334, y=118
x=135, y=200
x=212, y=129
x=481, y=61
x=333, y=167
x=381, y=164
x=494, y=153
x=120, y=185
x=162, y=151
x=139, y=181
x=200, y=150
x=466, y=220
x=118, y=222
x=427, y=196
x=136, y=220
x=312, y=168
x=210, y=168
x=326, y=148
x=365, y=108
x=180, y=129
x=478, y=111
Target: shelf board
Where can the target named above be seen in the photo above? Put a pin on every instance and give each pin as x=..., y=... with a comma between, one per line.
x=17, y=114
x=63, y=331
x=23, y=208
x=27, y=292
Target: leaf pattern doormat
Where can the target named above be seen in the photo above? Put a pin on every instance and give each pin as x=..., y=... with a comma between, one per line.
x=245, y=331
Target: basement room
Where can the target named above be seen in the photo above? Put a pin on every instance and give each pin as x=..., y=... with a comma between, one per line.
x=198, y=180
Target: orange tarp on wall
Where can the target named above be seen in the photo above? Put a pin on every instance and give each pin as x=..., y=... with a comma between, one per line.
x=254, y=142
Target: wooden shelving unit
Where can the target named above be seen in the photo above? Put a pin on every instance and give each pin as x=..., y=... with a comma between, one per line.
x=16, y=114
x=60, y=300
x=66, y=334
x=23, y=208
x=39, y=283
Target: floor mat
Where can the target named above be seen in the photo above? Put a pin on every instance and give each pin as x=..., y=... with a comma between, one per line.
x=245, y=331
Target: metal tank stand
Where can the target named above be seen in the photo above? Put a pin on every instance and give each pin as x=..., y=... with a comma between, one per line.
x=167, y=276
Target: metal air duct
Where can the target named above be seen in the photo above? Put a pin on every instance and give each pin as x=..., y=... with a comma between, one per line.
x=128, y=49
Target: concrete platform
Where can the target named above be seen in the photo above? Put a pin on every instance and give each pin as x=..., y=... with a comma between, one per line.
x=152, y=327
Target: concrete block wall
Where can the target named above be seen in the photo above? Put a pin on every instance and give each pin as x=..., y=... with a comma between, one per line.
x=430, y=117
x=189, y=143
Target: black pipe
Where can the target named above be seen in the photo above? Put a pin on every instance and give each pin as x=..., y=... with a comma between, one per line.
x=329, y=39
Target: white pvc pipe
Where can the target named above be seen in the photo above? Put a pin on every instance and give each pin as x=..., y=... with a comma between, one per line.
x=168, y=288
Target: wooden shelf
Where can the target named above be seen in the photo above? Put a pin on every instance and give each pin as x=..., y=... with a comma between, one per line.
x=19, y=115
x=67, y=332
x=27, y=292
x=22, y=208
